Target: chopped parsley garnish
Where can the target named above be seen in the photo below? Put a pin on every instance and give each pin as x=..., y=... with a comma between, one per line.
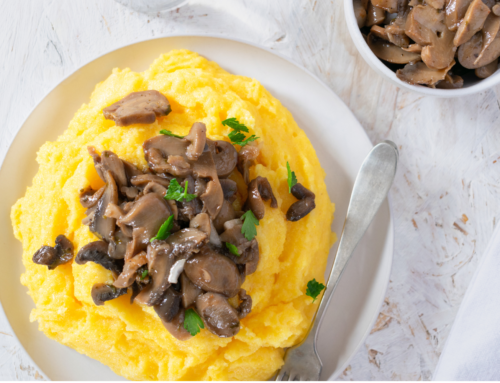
x=236, y=137
x=144, y=274
x=192, y=322
x=164, y=230
x=169, y=133
x=314, y=288
x=249, y=222
x=176, y=192
x=292, y=179
x=232, y=249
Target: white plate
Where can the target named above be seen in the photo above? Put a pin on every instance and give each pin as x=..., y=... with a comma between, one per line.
x=339, y=140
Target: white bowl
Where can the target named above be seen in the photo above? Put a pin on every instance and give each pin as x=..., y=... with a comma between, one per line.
x=471, y=86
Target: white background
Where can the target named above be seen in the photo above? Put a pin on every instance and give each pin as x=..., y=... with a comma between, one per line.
x=446, y=193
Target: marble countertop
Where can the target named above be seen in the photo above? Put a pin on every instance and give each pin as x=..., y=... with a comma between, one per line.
x=445, y=195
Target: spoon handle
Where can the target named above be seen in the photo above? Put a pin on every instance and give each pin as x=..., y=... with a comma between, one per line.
x=372, y=184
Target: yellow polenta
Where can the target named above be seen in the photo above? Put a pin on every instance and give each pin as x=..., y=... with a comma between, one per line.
x=130, y=338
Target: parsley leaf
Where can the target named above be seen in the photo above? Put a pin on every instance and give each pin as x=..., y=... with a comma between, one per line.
x=192, y=322
x=314, y=288
x=232, y=249
x=176, y=192
x=292, y=179
x=236, y=137
x=164, y=230
x=249, y=222
x=233, y=123
x=144, y=274
x=169, y=133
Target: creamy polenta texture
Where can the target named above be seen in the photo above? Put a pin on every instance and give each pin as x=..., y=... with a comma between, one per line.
x=130, y=338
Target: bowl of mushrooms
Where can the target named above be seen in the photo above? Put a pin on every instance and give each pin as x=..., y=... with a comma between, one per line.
x=444, y=48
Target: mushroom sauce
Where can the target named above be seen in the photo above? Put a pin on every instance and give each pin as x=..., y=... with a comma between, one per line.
x=170, y=234
x=436, y=43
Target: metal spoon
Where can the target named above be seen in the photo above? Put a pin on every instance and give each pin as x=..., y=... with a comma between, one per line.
x=372, y=184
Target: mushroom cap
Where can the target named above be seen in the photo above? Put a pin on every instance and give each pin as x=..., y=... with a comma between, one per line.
x=260, y=190
x=218, y=315
x=389, y=52
x=225, y=157
x=102, y=292
x=471, y=55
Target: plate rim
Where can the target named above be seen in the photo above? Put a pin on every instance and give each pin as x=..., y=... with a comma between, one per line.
x=390, y=232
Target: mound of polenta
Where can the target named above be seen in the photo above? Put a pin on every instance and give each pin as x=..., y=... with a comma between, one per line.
x=130, y=338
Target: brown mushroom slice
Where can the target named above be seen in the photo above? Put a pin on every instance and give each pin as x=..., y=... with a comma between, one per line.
x=425, y=25
x=304, y=206
x=472, y=56
x=143, y=179
x=390, y=6
x=52, y=257
x=197, y=138
x=138, y=108
x=176, y=326
x=131, y=170
x=189, y=291
x=97, y=252
x=187, y=241
x=213, y=272
x=420, y=73
x=159, y=148
x=218, y=315
x=229, y=188
x=156, y=188
x=374, y=15
x=227, y=213
x=379, y=32
x=102, y=292
x=359, y=13
x=90, y=197
x=146, y=216
x=129, y=273
x=225, y=157
x=436, y=4
x=118, y=245
x=246, y=157
x=489, y=33
x=397, y=36
x=455, y=12
x=213, y=198
x=414, y=48
x=389, y=52
x=451, y=82
x=202, y=223
x=248, y=250
x=245, y=306
x=496, y=9
x=472, y=23
x=259, y=190
x=110, y=161
x=169, y=305
x=487, y=70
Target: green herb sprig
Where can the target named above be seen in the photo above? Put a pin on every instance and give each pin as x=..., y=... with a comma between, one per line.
x=165, y=228
x=232, y=249
x=314, y=288
x=176, y=192
x=236, y=137
x=292, y=178
x=192, y=322
x=169, y=133
x=250, y=222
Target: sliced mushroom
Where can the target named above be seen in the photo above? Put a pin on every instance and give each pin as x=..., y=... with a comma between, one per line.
x=414, y=48
x=397, y=36
x=473, y=22
x=455, y=12
x=374, y=15
x=118, y=245
x=472, y=56
x=202, y=223
x=259, y=190
x=89, y=197
x=129, y=273
x=213, y=198
x=143, y=179
x=389, y=52
x=97, y=252
x=359, y=13
x=380, y=32
x=52, y=257
x=425, y=25
x=156, y=188
x=227, y=213
x=187, y=241
x=169, y=305
x=496, y=9
x=138, y=108
x=390, y=6
x=225, y=157
x=450, y=82
x=146, y=216
x=218, y=315
x=131, y=170
x=111, y=162
x=245, y=306
x=99, y=224
x=436, y=4
x=197, y=137
x=229, y=188
x=487, y=70
x=248, y=250
x=490, y=33
x=213, y=272
x=102, y=292
x=420, y=73
x=176, y=326
x=159, y=148
x=304, y=206
x=246, y=157
x=189, y=291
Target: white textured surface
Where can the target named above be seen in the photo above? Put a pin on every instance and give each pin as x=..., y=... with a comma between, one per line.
x=446, y=193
